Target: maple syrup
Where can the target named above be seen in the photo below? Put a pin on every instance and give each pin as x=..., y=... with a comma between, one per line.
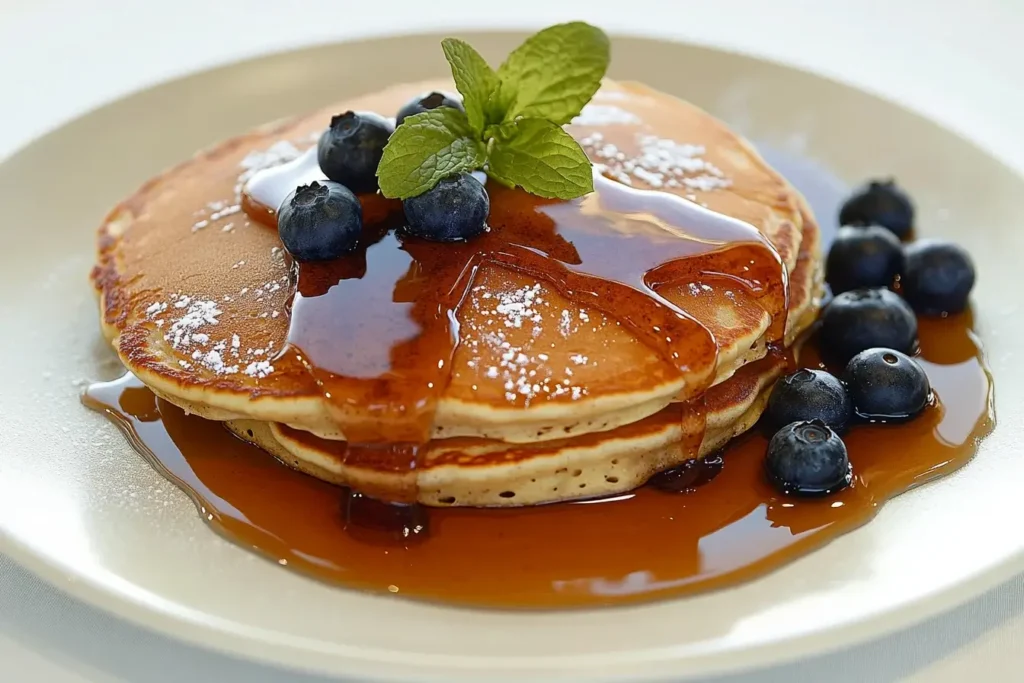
x=708, y=525
x=647, y=544
x=377, y=328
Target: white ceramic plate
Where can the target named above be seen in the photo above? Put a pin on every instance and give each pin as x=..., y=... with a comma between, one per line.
x=80, y=508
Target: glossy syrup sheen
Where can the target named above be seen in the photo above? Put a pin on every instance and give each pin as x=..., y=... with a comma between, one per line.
x=729, y=525
x=643, y=545
x=378, y=328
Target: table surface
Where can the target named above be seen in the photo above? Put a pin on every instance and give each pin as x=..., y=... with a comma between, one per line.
x=961, y=63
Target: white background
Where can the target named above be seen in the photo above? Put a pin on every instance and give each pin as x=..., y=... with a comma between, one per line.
x=960, y=62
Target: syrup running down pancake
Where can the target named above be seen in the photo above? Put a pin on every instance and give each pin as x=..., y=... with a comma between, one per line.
x=566, y=319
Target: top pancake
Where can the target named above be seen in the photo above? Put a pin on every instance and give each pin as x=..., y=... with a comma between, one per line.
x=195, y=295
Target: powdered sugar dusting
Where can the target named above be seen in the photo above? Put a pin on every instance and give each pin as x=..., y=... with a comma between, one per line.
x=198, y=314
x=518, y=306
x=259, y=369
x=660, y=163
x=279, y=153
x=214, y=211
x=193, y=331
x=213, y=360
x=505, y=327
x=603, y=115
x=226, y=211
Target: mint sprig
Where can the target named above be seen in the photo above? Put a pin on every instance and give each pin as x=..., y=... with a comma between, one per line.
x=474, y=79
x=427, y=148
x=512, y=126
x=554, y=73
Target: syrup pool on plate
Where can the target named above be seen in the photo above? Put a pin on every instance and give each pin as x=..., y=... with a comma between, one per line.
x=641, y=545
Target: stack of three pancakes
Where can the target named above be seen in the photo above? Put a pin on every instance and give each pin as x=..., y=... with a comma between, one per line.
x=546, y=400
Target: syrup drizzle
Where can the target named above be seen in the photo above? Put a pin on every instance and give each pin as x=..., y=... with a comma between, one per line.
x=378, y=329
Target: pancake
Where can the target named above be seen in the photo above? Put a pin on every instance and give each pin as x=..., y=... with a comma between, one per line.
x=482, y=473
x=195, y=295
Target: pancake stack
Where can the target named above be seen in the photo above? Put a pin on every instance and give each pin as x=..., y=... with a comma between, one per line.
x=546, y=399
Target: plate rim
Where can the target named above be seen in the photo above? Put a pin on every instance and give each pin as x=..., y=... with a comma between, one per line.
x=358, y=662
x=179, y=626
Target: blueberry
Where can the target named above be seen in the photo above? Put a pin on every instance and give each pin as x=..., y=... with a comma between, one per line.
x=350, y=149
x=887, y=385
x=880, y=202
x=426, y=102
x=939, y=277
x=863, y=257
x=689, y=474
x=454, y=209
x=320, y=221
x=809, y=395
x=865, y=318
x=808, y=459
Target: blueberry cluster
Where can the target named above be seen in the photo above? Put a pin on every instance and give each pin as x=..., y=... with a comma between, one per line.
x=871, y=331
x=324, y=220
x=934, y=276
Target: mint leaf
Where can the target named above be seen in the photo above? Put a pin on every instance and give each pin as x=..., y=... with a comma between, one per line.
x=512, y=120
x=541, y=158
x=554, y=73
x=497, y=104
x=474, y=79
x=426, y=148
